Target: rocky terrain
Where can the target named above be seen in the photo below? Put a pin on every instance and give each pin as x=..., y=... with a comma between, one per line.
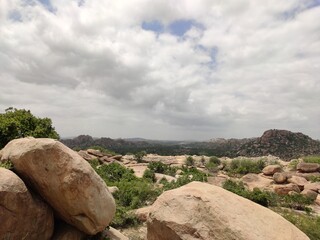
x=53, y=192
x=280, y=143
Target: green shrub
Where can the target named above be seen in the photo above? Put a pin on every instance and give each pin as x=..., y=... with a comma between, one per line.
x=293, y=164
x=312, y=159
x=139, y=156
x=6, y=164
x=244, y=166
x=308, y=224
x=214, y=160
x=159, y=167
x=189, y=161
x=149, y=175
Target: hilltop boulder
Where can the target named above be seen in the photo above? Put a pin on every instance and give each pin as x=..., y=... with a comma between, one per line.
x=23, y=215
x=65, y=180
x=203, y=211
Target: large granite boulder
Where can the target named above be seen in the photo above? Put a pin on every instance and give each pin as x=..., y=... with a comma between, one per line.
x=308, y=167
x=203, y=211
x=23, y=215
x=65, y=180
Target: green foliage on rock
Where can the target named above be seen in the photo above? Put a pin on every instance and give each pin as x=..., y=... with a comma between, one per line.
x=213, y=164
x=312, y=159
x=149, y=175
x=18, y=123
x=6, y=164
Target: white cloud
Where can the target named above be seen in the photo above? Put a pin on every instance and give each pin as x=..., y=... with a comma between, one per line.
x=93, y=69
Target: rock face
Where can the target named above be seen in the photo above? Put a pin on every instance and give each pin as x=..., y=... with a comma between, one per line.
x=22, y=215
x=202, y=211
x=281, y=143
x=65, y=180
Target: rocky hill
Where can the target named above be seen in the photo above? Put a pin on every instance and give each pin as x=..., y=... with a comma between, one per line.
x=281, y=143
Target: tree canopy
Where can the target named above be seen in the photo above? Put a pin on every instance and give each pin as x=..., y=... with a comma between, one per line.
x=18, y=123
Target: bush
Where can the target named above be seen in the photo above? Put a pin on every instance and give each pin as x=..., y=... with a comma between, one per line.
x=245, y=166
x=18, y=123
x=189, y=161
x=308, y=224
x=312, y=159
x=139, y=156
x=6, y=164
x=149, y=175
x=159, y=167
x=293, y=164
x=214, y=160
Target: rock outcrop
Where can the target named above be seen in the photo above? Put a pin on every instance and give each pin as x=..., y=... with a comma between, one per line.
x=65, y=180
x=202, y=211
x=23, y=215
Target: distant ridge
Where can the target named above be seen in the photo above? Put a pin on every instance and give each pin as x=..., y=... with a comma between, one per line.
x=280, y=143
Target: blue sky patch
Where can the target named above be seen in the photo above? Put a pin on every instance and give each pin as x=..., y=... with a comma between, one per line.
x=47, y=4
x=154, y=26
x=15, y=16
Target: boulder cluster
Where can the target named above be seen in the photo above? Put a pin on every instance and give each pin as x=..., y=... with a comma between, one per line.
x=52, y=193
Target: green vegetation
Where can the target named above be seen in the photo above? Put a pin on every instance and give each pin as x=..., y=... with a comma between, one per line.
x=6, y=164
x=269, y=199
x=244, y=166
x=18, y=123
x=133, y=192
x=189, y=161
x=150, y=175
x=213, y=164
x=312, y=159
x=139, y=156
x=159, y=167
x=293, y=164
x=307, y=223
x=188, y=175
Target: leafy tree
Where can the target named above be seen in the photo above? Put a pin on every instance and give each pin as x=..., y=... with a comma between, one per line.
x=189, y=161
x=18, y=123
x=139, y=156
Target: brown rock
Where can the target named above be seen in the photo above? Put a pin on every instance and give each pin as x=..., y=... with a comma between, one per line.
x=64, y=231
x=271, y=169
x=86, y=156
x=308, y=167
x=317, y=201
x=95, y=152
x=142, y=213
x=106, y=159
x=279, y=177
x=309, y=193
x=117, y=157
x=300, y=181
x=203, y=211
x=22, y=214
x=65, y=180
x=160, y=176
x=286, y=188
x=253, y=180
x=313, y=186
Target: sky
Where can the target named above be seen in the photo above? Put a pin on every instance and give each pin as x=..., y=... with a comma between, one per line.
x=163, y=69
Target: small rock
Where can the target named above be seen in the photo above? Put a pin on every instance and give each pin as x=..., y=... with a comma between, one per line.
x=114, y=234
x=308, y=167
x=142, y=213
x=271, y=169
x=286, y=188
x=309, y=193
x=300, y=181
x=313, y=186
x=95, y=152
x=160, y=176
x=279, y=178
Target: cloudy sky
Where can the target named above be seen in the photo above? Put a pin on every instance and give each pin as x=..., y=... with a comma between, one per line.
x=163, y=69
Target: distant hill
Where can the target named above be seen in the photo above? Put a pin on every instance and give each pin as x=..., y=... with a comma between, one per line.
x=280, y=143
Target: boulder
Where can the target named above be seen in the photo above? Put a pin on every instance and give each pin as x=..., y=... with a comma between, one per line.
x=142, y=213
x=284, y=189
x=23, y=215
x=65, y=180
x=86, y=156
x=95, y=152
x=117, y=157
x=160, y=176
x=203, y=211
x=300, y=181
x=308, y=167
x=279, y=178
x=315, y=186
x=271, y=169
x=64, y=231
x=253, y=180
x=309, y=193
